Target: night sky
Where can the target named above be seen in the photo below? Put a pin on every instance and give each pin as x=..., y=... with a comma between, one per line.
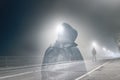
x=15, y=20
x=20, y=17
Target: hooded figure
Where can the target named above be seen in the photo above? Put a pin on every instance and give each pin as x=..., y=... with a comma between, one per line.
x=63, y=52
x=94, y=55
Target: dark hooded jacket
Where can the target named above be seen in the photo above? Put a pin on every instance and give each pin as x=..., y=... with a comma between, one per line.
x=64, y=50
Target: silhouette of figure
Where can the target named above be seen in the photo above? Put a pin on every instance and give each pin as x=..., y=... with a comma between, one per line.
x=64, y=51
x=94, y=55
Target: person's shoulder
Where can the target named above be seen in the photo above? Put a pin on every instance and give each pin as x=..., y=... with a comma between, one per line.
x=50, y=49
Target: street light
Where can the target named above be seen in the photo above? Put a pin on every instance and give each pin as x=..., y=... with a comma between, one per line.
x=60, y=29
x=104, y=49
x=94, y=44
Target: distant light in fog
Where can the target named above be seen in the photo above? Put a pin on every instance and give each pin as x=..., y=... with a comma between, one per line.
x=94, y=44
x=60, y=28
x=104, y=49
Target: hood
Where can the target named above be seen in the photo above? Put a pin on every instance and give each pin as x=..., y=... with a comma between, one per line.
x=68, y=34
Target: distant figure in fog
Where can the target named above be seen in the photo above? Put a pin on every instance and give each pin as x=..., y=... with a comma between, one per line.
x=94, y=55
x=64, y=51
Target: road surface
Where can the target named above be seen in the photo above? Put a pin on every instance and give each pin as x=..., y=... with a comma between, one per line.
x=108, y=71
x=61, y=71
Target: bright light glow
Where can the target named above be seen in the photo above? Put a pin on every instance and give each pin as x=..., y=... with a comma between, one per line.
x=94, y=44
x=104, y=49
x=60, y=28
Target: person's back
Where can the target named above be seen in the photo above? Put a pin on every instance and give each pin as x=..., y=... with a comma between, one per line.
x=69, y=52
x=63, y=57
x=94, y=51
x=94, y=55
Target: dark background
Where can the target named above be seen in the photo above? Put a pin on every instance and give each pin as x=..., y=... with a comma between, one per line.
x=18, y=18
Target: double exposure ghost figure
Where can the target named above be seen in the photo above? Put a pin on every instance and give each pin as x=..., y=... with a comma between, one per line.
x=63, y=56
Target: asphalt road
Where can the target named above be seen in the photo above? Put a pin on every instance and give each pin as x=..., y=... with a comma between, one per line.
x=21, y=74
x=108, y=71
x=67, y=71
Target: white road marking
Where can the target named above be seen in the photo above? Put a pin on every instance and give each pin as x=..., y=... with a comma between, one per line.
x=19, y=74
x=90, y=71
x=24, y=73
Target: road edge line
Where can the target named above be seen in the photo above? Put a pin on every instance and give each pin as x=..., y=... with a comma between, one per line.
x=91, y=71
